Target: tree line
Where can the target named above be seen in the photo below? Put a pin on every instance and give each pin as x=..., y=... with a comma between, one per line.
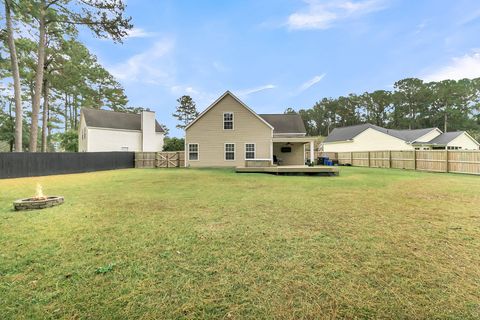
x=48, y=74
x=412, y=104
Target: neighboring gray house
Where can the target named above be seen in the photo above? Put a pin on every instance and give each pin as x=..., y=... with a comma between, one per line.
x=102, y=130
x=369, y=137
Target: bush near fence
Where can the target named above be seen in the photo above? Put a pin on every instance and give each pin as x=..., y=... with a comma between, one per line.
x=30, y=164
x=166, y=159
x=455, y=161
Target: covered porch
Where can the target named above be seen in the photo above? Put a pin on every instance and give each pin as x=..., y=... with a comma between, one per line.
x=289, y=158
x=290, y=151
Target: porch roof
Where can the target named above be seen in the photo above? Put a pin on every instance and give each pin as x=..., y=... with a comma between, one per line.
x=294, y=139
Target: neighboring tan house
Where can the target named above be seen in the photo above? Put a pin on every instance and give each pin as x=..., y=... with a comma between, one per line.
x=228, y=132
x=102, y=130
x=368, y=137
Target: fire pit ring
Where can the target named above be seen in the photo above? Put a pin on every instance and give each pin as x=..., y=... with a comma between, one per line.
x=36, y=203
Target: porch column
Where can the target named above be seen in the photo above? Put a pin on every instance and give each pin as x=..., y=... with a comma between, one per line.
x=312, y=152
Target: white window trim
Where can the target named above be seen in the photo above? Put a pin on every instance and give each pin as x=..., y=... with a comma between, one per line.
x=254, y=150
x=225, y=151
x=198, y=152
x=233, y=121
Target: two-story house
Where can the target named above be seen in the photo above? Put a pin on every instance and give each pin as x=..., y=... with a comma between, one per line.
x=104, y=130
x=228, y=132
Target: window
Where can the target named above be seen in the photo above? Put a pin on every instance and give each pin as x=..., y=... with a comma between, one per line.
x=228, y=121
x=249, y=150
x=193, y=151
x=286, y=149
x=229, y=151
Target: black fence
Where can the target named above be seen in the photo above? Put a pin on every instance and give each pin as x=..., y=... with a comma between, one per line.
x=24, y=164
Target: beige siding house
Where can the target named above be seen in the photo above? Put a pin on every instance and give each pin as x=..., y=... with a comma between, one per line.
x=368, y=137
x=228, y=133
x=102, y=130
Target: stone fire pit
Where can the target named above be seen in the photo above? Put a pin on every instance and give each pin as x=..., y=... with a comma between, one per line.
x=37, y=203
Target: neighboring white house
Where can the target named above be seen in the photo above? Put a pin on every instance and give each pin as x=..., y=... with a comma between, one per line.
x=368, y=137
x=103, y=130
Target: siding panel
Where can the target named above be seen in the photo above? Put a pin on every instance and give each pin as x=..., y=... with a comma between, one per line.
x=208, y=132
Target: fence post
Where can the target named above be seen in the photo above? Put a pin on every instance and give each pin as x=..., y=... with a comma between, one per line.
x=415, y=160
x=446, y=160
x=368, y=154
x=351, y=158
x=389, y=159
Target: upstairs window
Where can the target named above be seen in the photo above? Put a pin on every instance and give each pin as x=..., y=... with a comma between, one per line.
x=193, y=151
x=229, y=151
x=228, y=121
x=250, y=151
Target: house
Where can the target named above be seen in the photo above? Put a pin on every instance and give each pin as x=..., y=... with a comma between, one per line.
x=228, y=133
x=102, y=130
x=369, y=137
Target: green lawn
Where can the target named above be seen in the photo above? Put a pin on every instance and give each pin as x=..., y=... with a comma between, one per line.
x=179, y=243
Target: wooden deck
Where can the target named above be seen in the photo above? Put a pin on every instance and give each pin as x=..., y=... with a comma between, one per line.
x=292, y=170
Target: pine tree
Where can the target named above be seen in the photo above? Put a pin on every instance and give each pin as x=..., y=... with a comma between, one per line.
x=186, y=111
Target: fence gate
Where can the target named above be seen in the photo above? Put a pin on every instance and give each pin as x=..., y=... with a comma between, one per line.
x=170, y=159
x=162, y=160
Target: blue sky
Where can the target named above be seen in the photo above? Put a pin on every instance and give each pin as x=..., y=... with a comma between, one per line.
x=275, y=54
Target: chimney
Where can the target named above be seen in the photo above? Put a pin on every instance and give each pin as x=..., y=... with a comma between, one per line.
x=148, y=131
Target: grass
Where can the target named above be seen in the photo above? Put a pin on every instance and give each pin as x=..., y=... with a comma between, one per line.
x=185, y=244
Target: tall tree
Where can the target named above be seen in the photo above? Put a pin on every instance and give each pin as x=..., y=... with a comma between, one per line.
x=104, y=17
x=186, y=111
x=410, y=102
x=16, y=77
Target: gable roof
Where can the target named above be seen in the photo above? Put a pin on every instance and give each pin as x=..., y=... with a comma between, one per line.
x=445, y=138
x=115, y=120
x=285, y=123
x=220, y=99
x=350, y=132
x=409, y=135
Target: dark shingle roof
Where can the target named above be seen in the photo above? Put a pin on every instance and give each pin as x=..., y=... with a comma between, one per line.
x=409, y=135
x=285, y=123
x=350, y=132
x=115, y=120
x=445, y=138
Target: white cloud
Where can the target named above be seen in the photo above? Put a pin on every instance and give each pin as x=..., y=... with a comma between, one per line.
x=311, y=82
x=471, y=16
x=467, y=66
x=152, y=66
x=322, y=15
x=181, y=90
x=246, y=92
x=139, y=33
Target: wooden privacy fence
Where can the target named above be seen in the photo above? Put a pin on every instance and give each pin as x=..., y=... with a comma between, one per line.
x=168, y=159
x=456, y=161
